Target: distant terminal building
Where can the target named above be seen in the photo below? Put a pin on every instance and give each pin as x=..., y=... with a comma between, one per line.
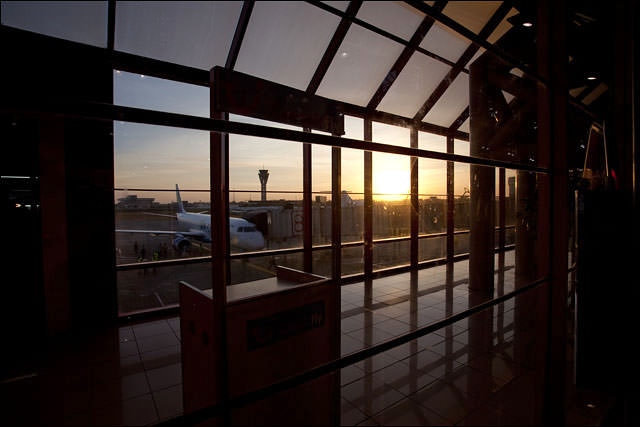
x=135, y=202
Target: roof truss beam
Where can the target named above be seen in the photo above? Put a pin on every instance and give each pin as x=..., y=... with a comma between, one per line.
x=238, y=36
x=334, y=45
x=486, y=31
x=404, y=57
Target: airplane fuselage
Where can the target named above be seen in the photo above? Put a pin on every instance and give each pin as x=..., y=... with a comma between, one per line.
x=242, y=233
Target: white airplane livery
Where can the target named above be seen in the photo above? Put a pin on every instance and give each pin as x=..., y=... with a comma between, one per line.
x=243, y=234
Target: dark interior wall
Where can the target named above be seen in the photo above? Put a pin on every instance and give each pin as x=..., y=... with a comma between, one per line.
x=43, y=74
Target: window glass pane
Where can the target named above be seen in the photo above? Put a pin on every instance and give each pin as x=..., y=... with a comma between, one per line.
x=432, y=142
x=285, y=41
x=196, y=34
x=432, y=189
x=451, y=104
x=157, y=286
x=461, y=147
x=391, y=198
x=141, y=91
x=276, y=213
x=392, y=17
x=81, y=21
x=361, y=64
x=352, y=260
x=262, y=267
x=390, y=254
x=413, y=86
x=432, y=248
x=150, y=156
x=392, y=135
x=352, y=202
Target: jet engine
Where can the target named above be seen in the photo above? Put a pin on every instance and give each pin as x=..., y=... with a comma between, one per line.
x=181, y=244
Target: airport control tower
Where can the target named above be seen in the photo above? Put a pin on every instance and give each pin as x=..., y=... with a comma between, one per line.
x=263, y=174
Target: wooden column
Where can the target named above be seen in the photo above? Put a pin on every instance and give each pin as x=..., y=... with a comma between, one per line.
x=482, y=209
x=307, y=208
x=336, y=214
x=368, y=202
x=552, y=146
x=53, y=201
x=415, y=207
x=220, y=247
x=450, y=203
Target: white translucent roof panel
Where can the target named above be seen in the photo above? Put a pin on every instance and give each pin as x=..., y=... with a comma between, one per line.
x=391, y=16
x=465, y=126
x=82, y=21
x=472, y=15
x=389, y=134
x=340, y=5
x=445, y=42
x=196, y=34
x=451, y=104
x=362, y=62
x=285, y=42
x=413, y=86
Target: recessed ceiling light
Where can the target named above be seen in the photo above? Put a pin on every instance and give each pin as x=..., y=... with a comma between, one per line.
x=591, y=77
x=344, y=54
x=527, y=24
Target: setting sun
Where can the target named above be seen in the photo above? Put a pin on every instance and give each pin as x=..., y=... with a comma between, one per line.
x=391, y=185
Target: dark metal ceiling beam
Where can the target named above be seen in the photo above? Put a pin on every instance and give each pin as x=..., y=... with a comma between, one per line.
x=379, y=31
x=459, y=121
x=476, y=39
x=486, y=31
x=238, y=36
x=111, y=24
x=404, y=57
x=334, y=45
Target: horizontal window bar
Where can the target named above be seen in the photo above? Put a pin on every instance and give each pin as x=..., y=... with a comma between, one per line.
x=99, y=111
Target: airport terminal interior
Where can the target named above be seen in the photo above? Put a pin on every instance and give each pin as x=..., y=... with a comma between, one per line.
x=320, y=212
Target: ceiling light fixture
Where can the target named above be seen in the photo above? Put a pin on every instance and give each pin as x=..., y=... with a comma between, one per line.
x=527, y=24
x=591, y=77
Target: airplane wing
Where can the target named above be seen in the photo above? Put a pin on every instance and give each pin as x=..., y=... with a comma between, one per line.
x=175, y=233
x=157, y=214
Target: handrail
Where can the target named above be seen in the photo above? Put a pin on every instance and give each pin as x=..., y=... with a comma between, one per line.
x=209, y=412
x=284, y=251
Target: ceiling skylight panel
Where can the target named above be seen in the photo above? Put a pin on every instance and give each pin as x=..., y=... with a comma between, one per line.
x=445, y=42
x=340, y=5
x=82, y=21
x=196, y=34
x=500, y=31
x=465, y=126
x=285, y=42
x=451, y=104
x=392, y=17
x=362, y=62
x=472, y=15
x=413, y=86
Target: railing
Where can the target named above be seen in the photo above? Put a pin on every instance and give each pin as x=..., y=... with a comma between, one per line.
x=284, y=251
x=223, y=407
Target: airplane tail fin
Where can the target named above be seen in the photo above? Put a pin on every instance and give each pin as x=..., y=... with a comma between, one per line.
x=180, y=207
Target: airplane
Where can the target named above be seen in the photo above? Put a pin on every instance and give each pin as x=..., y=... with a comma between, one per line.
x=243, y=234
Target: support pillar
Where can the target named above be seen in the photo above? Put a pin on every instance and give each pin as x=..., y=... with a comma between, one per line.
x=482, y=210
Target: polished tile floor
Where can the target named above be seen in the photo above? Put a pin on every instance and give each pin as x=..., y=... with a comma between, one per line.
x=486, y=369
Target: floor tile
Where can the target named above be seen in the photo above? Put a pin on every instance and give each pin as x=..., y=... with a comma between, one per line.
x=151, y=329
x=169, y=402
x=370, y=396
x=446, y=401
x=156, y=342
x=403, y=377
x=165, y=377
x=137, y=411
x=408, y=413
x=349, y=414
x=161, y=357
